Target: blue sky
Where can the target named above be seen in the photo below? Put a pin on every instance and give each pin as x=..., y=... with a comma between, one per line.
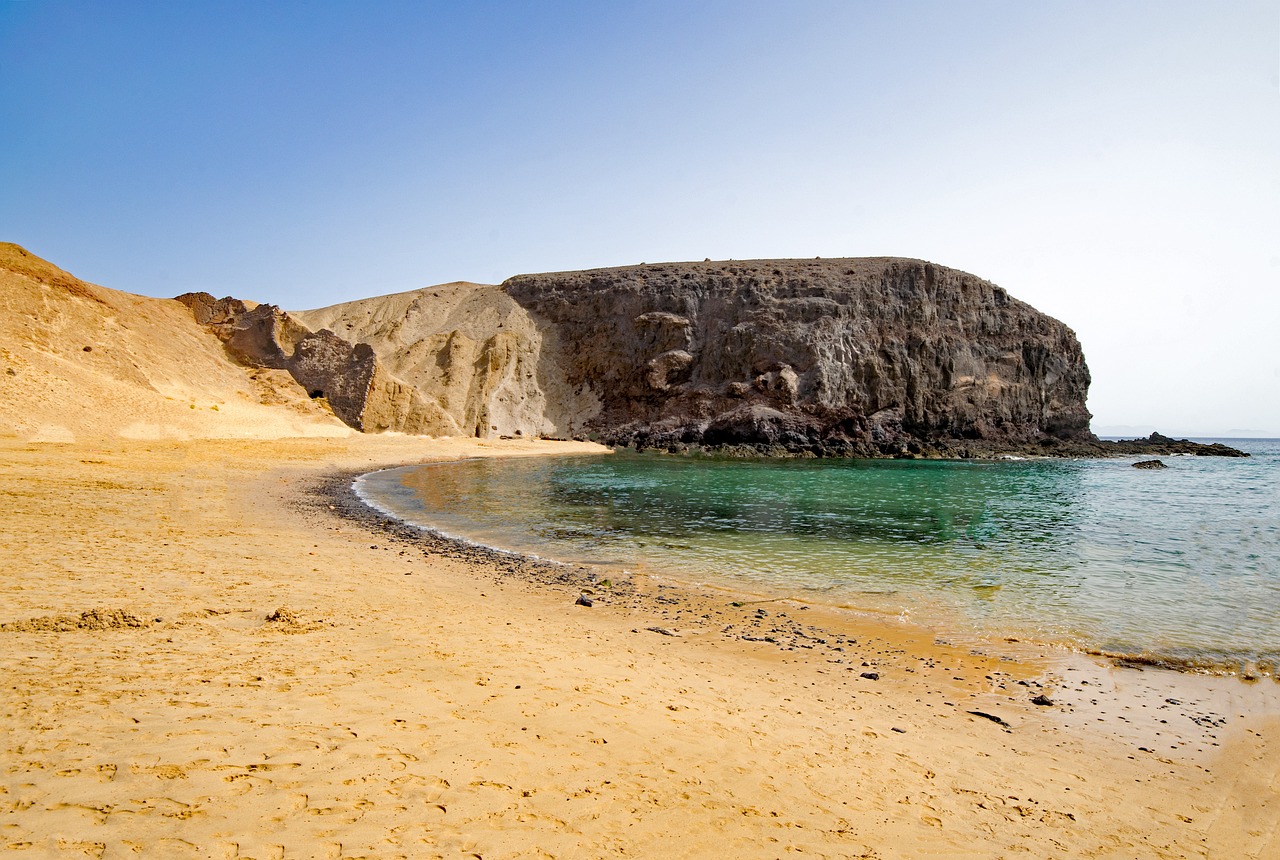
x=1115, y=164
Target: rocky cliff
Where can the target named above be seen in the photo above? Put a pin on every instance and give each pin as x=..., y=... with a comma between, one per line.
x=476, y=360
x=846, y=357
x=871, y=355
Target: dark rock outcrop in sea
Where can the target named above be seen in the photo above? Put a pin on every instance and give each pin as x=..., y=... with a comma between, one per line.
x=1157, y=443
x=1150, y=464
x=863, y=357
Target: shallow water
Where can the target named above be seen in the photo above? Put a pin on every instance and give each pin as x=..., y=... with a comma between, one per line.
x=1181, y=565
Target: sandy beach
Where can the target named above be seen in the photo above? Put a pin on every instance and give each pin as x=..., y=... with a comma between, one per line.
x=209, y=651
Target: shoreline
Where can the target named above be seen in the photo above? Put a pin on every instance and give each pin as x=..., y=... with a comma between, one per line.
x=1247, y=668
x=636, y=591
x=309, y=684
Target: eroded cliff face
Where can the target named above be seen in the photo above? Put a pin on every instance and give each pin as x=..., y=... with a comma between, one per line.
x=475, y=360
x=868, y=355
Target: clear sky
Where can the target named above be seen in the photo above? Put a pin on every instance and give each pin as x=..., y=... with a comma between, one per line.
x=1116, y=164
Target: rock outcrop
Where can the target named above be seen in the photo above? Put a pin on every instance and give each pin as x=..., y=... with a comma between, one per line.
x=1158, y=443
x=348, y=376
x=860, y=356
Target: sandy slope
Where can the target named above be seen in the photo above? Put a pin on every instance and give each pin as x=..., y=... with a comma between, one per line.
x=79, y=360
x=410, y=705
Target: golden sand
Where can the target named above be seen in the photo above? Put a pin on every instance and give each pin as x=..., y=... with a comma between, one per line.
x=201, y=659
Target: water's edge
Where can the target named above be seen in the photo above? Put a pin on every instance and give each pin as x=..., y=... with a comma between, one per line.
x=587, y=575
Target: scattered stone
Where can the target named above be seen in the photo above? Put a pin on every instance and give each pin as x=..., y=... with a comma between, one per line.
x=1042, y=700
x=583, y=600
x=871, y=676
x=662, y=630
x=993, y=718
x=286, y=620
x=898, y=730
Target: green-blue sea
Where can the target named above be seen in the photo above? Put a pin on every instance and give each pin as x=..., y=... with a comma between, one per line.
x=1180, y=565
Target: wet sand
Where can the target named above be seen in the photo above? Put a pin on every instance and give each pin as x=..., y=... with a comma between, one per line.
x=211, y=649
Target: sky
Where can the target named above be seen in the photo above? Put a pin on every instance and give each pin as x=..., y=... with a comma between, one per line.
x=1115, y=164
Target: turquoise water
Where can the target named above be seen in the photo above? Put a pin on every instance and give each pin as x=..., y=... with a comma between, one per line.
x=1180, y=565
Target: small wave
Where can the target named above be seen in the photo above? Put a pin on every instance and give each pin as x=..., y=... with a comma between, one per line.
x=1246, y=668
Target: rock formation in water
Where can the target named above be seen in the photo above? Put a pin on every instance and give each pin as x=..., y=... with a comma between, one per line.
x=1158, y=443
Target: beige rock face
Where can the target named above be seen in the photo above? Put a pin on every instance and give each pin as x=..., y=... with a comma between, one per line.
x=458, y=359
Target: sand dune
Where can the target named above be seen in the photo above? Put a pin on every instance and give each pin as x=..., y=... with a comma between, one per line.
x=80, y=360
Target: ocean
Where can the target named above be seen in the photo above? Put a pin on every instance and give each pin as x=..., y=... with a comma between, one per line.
x=1179, y=566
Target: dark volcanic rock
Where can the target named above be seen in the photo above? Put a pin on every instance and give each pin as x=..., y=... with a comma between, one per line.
x=1160, y=444
x=1149, y=464
x=846, y=356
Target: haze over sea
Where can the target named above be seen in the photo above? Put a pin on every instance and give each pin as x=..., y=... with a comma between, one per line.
x=1180, y=566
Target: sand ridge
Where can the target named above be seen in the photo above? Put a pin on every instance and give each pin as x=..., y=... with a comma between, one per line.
x=404, y=702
